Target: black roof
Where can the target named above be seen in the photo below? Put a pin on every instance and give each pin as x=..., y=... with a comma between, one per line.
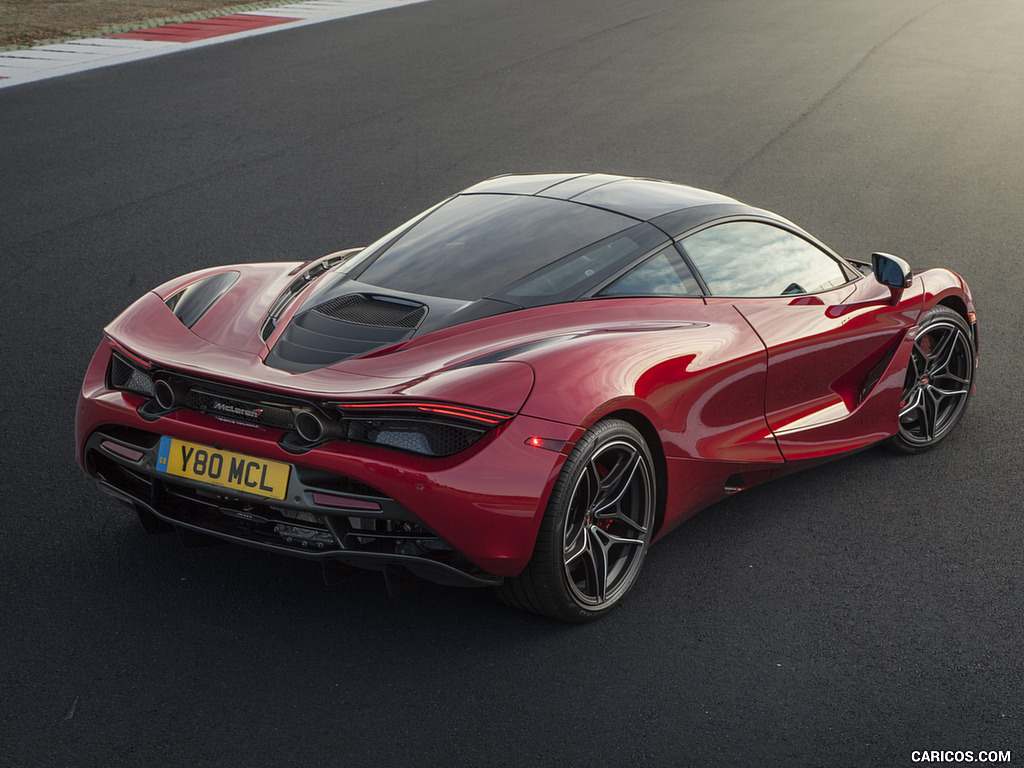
x=638, y=198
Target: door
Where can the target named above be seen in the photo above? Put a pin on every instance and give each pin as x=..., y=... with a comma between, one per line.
x=836, y=344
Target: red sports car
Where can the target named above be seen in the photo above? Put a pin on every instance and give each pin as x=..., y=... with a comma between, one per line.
x=523, y=387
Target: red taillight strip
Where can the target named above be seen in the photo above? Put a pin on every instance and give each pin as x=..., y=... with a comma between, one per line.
x=130, y=355
x=487, y=418
x=491, y=418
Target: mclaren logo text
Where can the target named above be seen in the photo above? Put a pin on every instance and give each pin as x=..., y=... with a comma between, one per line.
x=234, y=410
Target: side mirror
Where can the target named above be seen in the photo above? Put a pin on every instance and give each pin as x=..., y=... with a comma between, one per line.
x=893, y=272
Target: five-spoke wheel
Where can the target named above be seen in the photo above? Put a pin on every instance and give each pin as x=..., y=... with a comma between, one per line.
x=940, y=378
x=596, y=529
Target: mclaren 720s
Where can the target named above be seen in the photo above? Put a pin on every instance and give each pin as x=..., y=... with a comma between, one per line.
x=523, y=387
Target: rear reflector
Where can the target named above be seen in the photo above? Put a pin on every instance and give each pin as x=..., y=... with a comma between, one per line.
x=546, y=443
x=123, y=451
x=344, y=502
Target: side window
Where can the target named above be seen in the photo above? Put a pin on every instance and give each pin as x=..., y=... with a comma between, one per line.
x=746, y=258
x=663, y=274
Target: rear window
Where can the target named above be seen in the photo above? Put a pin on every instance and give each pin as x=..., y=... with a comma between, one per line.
x=664, y=274
x=573, y=275
x=476, y=245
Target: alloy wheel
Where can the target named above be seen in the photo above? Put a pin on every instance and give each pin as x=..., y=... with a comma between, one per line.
x=938, y=383
x=608, y=524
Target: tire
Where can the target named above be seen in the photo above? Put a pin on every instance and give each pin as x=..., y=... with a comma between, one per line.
x=939, y=383
x=596, y=529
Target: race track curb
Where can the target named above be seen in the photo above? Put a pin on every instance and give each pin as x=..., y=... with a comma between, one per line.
x=120, y=45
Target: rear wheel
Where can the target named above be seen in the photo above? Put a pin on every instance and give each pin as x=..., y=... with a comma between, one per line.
x=595, y=531
x=940, y=378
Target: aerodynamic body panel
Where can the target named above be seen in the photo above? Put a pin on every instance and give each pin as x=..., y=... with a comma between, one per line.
x=145, y=326
x=829, y=359
x=696, y=372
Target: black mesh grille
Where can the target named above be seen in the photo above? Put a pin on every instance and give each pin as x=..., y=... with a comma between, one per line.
x=120, y=372
x=368, y=310
x=426, y=438
x=125, y=377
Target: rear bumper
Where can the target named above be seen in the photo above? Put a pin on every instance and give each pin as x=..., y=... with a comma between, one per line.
x=468, y=519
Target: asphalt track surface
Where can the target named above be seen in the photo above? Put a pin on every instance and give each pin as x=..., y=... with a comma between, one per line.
x=847, y=616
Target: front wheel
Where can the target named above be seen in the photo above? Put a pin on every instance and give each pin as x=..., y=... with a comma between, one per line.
x=940, y=379
x=595, y=531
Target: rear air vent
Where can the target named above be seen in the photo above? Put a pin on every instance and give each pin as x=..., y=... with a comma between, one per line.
x=373, y=310
x=343, y=327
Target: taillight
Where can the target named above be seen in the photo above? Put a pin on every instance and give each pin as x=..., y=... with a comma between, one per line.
x=128, y=372
x=422, y=427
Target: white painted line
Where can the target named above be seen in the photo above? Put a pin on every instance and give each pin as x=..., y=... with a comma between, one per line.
x=110, y=42
x=332, y=8
x=70, y=48
x=20, y=63
x=39, y=54
x=42, y=62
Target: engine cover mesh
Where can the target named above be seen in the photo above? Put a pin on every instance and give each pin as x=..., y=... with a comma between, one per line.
x=369, y=310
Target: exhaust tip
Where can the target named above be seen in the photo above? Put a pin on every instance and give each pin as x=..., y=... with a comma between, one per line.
x=310, y=426
x=734, y=484
x=165, y=395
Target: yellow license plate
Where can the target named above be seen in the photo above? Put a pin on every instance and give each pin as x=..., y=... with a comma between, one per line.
x=226, y=469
